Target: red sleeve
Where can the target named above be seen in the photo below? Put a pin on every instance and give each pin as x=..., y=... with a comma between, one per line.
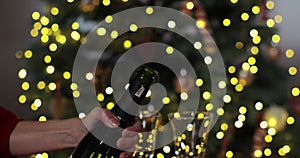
x=8, y=121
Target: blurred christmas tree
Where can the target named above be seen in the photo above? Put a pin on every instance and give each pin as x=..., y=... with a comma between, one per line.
x=259, y=115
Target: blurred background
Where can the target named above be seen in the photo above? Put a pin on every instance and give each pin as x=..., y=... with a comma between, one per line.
x=15, y=35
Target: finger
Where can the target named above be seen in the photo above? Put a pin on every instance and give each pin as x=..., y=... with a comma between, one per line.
x=109, y=119
x=127, y=142
x=98, y=114
x=132, y=130
x=92, y=118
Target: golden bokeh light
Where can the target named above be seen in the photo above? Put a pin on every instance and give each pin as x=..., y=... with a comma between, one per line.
x=226, y=22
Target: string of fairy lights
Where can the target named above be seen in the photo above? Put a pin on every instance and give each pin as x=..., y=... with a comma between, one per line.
x=49, y=33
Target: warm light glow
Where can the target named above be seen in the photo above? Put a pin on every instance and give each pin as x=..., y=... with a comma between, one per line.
x=54, y=11
x=25, y=86
x=75, y=35
x=22, y=73
x=184, y=96
x=226, y=22
x=243, y=110
x=76, y=94
x=245, y=16
x=220, y=111
x=166, y=149
x=209, y=107
x=127, y=44
x=34, y=32
x=42, y=118
x=89, y=76
x=234, y=81
x=251, y=60
x=22, y=99
x=198, y=45
x=258, y=153
x=278, y=19
x=259, y=106
x=289, y=53
x=254, y=50
x=67, y=75
x=253, y=69
x=256, y=40
x=171, y=24
x=149, y=10
x=268, y=138
x=220, y=135
x=44, y=38
x=268, y=152
x=239, y=45
x=53, y=47
x=270, y=23
x=47, y=59
x=255, y=10
x=276, y=38
x=170, y=50
x=133, y=27
x=37, y=25
x=110, y=105
x=166, y=100
x=106, y=2
x=41, y=85
x=50, y=69
x=199, y=82
x=28, y=54
x=238, y=124
x=74, y=86
x=253, y=33
x=108, y=19
x=114, y=34
x=101, y=31
x=293, y=70
x=246, y=66
x=44, y=20
x=52, y=86
x=239, y=87
x=231, y=69
x=100, y=97
x=109, y=90
x=286, y=149
x=160, y=155
x=206, y=95
x=190, y=5
x=222, y=84
x=61, y=39
x=37, y=102
x=75, y=25
x=290, y=120
x=272, y=131
x=227, y=98
x=35, y=15
x=234, y=1
x=229, y=154
x=263, y=125
x=224, y=126
x=201, y=23
x=270, y=4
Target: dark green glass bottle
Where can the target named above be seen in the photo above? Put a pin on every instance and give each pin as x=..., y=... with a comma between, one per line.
x=139, y=84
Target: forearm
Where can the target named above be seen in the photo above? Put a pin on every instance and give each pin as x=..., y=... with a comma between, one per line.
x=33, y=137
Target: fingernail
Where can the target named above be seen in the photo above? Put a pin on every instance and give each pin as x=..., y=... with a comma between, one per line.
x=115, y=121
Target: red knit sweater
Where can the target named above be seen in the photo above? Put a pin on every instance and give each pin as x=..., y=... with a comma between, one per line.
x=8, y=122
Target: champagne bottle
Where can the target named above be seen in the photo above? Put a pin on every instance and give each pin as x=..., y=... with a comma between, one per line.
x=139, y=84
